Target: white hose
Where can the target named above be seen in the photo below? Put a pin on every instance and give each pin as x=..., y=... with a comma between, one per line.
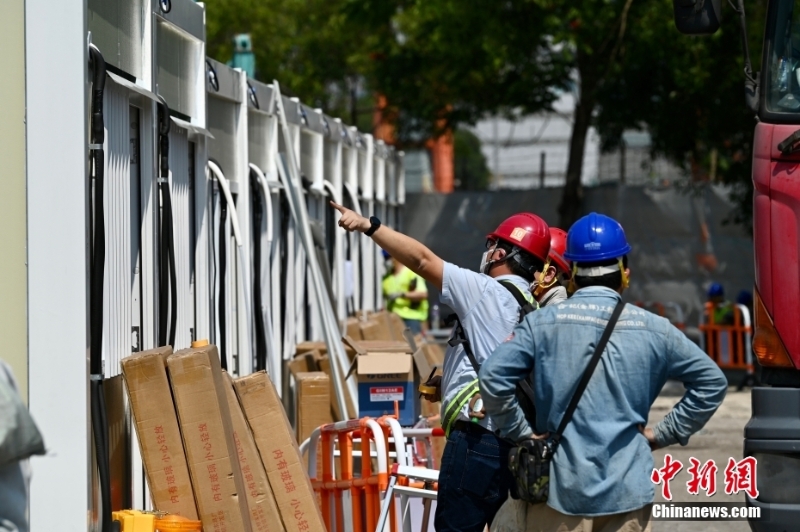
x=262, y=180
x=226, y=190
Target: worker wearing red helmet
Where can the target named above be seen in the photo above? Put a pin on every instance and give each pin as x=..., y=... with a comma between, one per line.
x=474, y=479
x=547, y=287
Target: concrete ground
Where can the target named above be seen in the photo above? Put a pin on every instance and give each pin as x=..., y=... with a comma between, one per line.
x=720, y=439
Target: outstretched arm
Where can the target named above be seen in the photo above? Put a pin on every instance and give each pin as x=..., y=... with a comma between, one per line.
x=411, y=253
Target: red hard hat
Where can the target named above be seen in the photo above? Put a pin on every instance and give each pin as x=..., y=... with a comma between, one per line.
x=526, y=231
x=558, y=245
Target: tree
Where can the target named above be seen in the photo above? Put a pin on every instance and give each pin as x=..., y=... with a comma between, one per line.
x=452, y=62
x=594, y=33
x=471, y=172
x=687, y=92
x=307, y=45
x=445, y=63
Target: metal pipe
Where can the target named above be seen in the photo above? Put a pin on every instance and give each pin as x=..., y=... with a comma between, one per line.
x=339, y=360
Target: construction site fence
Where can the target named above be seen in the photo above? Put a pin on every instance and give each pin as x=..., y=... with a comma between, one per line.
x=350, y=491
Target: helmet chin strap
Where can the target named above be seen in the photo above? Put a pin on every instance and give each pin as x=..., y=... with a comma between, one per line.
x=491, y=263
x=625, y=280
x=542, y=288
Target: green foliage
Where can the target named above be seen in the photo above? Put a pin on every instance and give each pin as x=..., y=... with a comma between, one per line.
x=442, y=63
x=688, y=93
x=446, y=63
x=307, y=45
x=471, y=172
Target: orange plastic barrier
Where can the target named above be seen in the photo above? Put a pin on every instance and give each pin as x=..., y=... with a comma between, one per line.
x=368, y=489
x=729, y=345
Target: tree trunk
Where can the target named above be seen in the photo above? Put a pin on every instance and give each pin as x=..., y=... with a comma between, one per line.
x=571, y=205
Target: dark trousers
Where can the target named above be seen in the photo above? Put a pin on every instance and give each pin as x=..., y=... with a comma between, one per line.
x=474, y=479
x=414, y=325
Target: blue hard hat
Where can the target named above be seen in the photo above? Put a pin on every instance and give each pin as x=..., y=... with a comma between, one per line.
x=595, y=238
x=716, y=290
x=744, y=298
x=385, y=254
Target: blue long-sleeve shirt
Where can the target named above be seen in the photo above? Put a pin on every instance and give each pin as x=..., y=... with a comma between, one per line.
x=603, y=463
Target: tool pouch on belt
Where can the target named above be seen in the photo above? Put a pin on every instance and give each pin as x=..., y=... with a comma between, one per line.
x=529, y=463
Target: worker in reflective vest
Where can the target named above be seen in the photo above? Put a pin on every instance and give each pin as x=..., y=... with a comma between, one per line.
x=474, y=479
x=406, y=294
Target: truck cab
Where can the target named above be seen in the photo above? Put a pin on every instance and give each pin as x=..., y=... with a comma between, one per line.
x=772, y=435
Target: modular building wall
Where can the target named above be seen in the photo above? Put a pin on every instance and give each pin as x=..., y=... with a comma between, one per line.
x=156, y=58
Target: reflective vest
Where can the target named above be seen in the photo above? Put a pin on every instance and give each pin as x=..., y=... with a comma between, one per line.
x=402, y=282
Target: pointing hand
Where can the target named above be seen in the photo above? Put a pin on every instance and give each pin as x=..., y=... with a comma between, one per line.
x=351, y=221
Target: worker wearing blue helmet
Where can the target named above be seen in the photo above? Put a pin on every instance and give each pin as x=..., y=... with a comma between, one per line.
x=600, y=461
x=723, y=309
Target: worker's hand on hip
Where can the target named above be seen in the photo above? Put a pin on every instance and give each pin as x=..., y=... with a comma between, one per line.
x=476, y=402
x=650, y=436
x=434, y=382
x=350, y=220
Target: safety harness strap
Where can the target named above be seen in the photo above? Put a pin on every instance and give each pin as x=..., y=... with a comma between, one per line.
x=458, y=402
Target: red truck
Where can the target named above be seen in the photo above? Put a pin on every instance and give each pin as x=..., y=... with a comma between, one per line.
x=773, y=432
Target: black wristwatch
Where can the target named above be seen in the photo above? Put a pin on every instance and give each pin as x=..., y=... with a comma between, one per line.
x=375, y=223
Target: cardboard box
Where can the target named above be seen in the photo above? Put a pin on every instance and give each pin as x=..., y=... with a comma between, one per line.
x=371, y=330
x=158, y=433
x=376, y=346
x=279, y=453
x=207, y=430
x=305, y=362
x=264, y=516
x=396, y=325
x=353, y=328
x=305, y=347
x=384, y=378
x=313, y=392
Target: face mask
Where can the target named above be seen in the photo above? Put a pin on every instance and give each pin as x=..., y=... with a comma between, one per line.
x=484, y=262
x=388, y=265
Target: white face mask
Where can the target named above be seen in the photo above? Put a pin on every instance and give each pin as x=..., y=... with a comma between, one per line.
x=389, y=265
x=484, y=262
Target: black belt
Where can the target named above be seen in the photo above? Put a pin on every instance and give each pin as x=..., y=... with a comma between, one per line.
x=471, y=428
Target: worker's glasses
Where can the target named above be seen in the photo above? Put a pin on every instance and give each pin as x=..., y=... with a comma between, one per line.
x=491, y=243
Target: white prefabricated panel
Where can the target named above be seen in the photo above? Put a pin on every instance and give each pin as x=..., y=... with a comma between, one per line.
x=352, y=259
x=335, y=238
x=391, y=189
x=179, y=62
x=56, y=131
x=121, y=30
x=366, y=153
x=121, y=228
x=262, y=151
x=379, y=170
x=182, y=164
x=228, y=147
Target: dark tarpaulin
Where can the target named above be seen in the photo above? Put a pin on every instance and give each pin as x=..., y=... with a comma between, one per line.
x=679, y=241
